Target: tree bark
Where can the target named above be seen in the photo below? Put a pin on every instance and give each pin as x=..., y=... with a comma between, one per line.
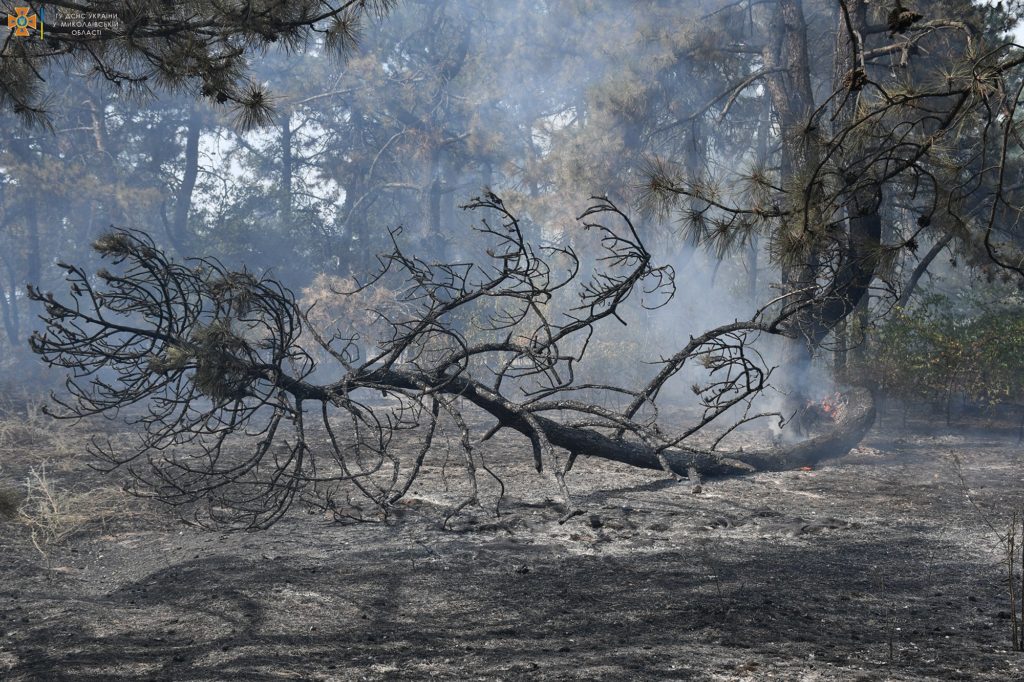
x=789, y=85
x=854, y=268
x=847, y=433
x=862, y=195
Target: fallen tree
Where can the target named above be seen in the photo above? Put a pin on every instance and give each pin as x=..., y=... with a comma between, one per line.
x=220, y=363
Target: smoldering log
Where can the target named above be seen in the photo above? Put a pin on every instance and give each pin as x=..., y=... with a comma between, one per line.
x=846, y=434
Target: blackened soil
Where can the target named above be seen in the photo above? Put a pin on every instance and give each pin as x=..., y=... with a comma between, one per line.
x=882, y=565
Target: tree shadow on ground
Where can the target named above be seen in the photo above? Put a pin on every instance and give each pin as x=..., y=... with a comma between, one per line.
x=885, y=605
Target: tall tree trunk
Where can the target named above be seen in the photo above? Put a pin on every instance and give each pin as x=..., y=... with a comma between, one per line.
x=840, y=340
x=9, y=308
x=434, y=208
x=862, y=195
x=105, y=165
x=862, y=319
x=34, y=265
x=178, y=233
x=854, y=267
x=29, y=200
x=357, y=251
x=764, y=133
x=9, y=305
x=287, y=170
x=487, y=174
x=450, y=180
x=789, y=85
x=435, y=190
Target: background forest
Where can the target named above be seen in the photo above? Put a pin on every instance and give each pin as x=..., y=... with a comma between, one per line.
x=665, y=108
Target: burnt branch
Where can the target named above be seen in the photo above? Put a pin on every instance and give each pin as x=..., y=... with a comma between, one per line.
x=214, y=371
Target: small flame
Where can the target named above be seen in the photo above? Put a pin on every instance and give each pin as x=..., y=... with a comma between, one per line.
x=830, y=404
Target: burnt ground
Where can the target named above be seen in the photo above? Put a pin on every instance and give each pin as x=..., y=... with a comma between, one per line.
x=873, y=566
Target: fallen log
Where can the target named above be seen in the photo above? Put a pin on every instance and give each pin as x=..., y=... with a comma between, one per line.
x=848, y=430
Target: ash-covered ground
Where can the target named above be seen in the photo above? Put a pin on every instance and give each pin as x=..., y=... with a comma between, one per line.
x=886, y=563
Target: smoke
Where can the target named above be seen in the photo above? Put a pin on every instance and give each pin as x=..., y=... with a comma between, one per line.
x=545, y=104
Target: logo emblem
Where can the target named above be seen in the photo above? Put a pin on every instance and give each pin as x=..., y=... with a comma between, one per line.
x=21, y=21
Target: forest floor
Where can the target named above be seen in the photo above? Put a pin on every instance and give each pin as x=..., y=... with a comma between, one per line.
x=885, y=564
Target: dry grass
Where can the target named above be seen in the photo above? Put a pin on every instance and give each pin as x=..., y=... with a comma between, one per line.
x=30, y=435
x=53, y=514
x=48, y=486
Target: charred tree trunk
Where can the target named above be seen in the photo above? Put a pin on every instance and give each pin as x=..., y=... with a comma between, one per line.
x=789, y=85
x=850, y=266
x=29, y=200
x=105, y=162
x=848, y=431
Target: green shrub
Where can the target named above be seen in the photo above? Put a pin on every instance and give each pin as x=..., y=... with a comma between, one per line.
x=939, y=350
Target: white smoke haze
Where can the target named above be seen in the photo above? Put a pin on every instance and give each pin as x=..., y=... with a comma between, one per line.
x=546, y=104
